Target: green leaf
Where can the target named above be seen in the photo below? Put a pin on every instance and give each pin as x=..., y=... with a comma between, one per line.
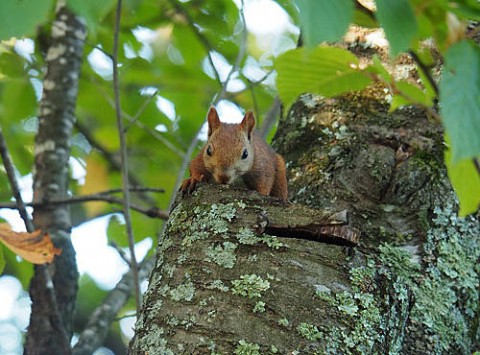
x=465, y=179
x=20, y=18
x=327, y=71
x=398, y=20
x=363, y=19
x=460, y=100
x=290, y=8
x=408, y=94
x=324, y=20
x=11, y=66
x=466, y=8
x=18, y=99
x=92, y=10
x=116, y=231
x=377, y=68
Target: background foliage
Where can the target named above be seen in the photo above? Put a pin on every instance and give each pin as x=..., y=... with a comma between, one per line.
x=175, y=58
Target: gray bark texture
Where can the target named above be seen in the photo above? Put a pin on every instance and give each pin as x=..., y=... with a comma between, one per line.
x=53, y=288
x=221, y=285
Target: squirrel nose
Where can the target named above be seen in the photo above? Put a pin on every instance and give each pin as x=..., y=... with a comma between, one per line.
x=223, y=179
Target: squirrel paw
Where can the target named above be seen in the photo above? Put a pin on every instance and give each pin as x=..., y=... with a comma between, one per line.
x=189, y=185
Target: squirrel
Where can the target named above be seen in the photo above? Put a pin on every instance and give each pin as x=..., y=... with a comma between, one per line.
x=238, y=151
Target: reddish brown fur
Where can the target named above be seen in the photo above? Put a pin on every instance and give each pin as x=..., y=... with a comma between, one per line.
x=263, y=170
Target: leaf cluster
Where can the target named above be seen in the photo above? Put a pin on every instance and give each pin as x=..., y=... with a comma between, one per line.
x=408, y=26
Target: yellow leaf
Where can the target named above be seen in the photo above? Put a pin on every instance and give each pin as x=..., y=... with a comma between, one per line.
x=36, y=247
x=97, y=179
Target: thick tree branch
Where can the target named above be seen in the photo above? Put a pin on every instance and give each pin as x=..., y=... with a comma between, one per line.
x=52, y=151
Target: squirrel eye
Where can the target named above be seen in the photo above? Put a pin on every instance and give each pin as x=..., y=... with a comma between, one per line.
x=245, y=154
x=209, y=151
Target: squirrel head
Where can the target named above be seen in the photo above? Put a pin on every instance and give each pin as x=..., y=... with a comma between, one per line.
x=229, y=151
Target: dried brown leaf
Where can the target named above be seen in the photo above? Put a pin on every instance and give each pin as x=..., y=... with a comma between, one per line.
x=36, y=247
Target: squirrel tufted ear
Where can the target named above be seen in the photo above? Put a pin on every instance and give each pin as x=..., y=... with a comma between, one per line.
x=213, y=120
x=248, y=123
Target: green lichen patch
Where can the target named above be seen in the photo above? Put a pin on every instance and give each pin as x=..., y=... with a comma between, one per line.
x=309, y=332
x=183, y=292
x=218, y=285
x=208, y=220
x=259, y=307
x=194, y=236
x=358, y=309
x=246, y=348
x=284, y=322
x=250, y=286
x=223, y=255
x=438, y=298
x=156, y=340
x=223, y=211
x=246, y=236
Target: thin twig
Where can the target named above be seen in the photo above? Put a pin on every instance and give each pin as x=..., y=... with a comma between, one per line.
x=141, y=109
x=132, y=189
x=133, y=120
x=203, y=40
x=123, y=149
x=217, y=98
x=21, y=207
x=425, y=71
x=254, y=98
x=476, y=163
x=9, y=167
x=238, y=59
x=120, y=252
x=152, y=212
x=271, y=116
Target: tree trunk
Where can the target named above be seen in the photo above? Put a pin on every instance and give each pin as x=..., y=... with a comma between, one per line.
x=411, y=285
x=53, y=288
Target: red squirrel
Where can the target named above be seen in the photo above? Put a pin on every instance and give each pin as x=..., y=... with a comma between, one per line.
x=237, y=151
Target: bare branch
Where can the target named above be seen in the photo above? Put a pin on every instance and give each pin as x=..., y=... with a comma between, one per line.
x=10, y=169
x=271, y=116
x=123, y=151
x=104, y=315
x=426, y=71
x=152, y=212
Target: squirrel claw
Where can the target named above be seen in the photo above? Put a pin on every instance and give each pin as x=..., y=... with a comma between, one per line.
x=189, y=185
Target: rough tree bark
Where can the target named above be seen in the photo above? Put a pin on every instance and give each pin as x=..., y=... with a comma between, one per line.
x=51, y=321
x=411, y=286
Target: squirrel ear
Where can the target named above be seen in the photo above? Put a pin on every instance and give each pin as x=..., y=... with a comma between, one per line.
x=248, y=123
x=213, y=120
